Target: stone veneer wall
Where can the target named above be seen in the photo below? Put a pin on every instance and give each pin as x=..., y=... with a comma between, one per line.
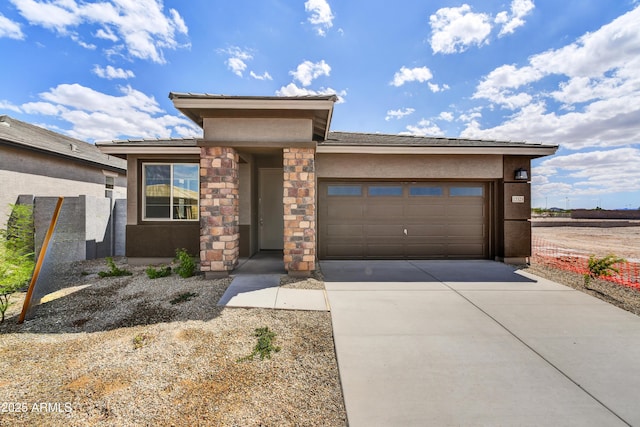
x=219, y=210
x=299, y=210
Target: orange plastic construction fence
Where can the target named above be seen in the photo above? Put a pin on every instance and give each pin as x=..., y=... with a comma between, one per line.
x=555, y=256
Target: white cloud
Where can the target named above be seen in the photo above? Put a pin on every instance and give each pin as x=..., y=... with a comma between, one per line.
x=308, y=71
x=142, y=26
x=454, y=29
x=589, y=173
x=237, y=59
x=237, y=62
x=98, y=116
x=398, y=114
x=6, y=105
x=519, y=9
x=596, y=80
x=10, y=29
x=433, y=87
x=321, y=15
x=419, y=74
x=446, y=116
x=107, y=34
x=112, y=73
x=264, y=76
x=293, y=90
x=424, y=128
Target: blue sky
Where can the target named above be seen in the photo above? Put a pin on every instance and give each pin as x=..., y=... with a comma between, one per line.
x=560, y=72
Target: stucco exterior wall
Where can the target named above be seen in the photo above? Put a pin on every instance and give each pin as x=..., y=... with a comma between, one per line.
x=258, y=129
x=28, y=172
x=402, y=166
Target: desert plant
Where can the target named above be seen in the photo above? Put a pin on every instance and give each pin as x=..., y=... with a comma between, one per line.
x=114, y=270
x=264, y=346
x=16, y=254
x=141, y=340
x=183, y=298
x=601, y=267
x=186, y=265
x=153, y=273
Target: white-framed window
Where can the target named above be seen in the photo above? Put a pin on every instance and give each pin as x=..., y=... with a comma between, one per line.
x=170, y=191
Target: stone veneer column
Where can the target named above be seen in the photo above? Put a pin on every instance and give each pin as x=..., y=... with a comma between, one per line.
x=299, y=200
x=219, y=211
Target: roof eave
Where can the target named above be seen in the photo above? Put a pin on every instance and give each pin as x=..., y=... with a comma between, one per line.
x=532, y=150
x=76, y=159
x=193, y=106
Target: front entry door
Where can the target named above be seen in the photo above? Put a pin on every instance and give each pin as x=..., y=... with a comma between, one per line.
x=270, y=209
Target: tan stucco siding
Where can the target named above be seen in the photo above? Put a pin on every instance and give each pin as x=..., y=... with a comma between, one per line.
x=16, y=183
x=132, y=189
x=245, y=193
x=377, y=166
x=279, y=130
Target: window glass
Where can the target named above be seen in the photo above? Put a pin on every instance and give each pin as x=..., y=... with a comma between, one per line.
x=344, y=190
x=425, y=191
x=466, y=191
x=171, y=191
x=185, y=191
x=380, y=190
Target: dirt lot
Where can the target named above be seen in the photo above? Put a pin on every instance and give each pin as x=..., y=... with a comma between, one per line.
x=621, y=241
x=119, y=352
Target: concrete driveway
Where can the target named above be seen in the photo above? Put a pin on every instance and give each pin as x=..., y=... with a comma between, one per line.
x=476, y=343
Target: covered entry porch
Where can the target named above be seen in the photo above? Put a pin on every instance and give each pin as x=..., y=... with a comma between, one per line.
x=257, y=177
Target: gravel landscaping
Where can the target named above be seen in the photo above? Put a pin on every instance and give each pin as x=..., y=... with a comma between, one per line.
x=134, y=351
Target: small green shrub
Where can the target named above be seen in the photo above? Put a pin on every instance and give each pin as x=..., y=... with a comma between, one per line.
x=153, y=273
x=601, y=267
x=16, y=254
x=183, y=298
x=114, y=271
x=186, y=265
x=264, y=346
x=141, y=340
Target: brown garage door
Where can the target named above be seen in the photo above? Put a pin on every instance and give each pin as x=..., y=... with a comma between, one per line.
x=403, y=220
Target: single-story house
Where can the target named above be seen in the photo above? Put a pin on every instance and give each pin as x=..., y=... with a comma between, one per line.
x=269, y=175
x=39, y=162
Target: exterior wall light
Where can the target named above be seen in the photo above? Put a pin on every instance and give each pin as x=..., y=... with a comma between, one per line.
x=521, y=175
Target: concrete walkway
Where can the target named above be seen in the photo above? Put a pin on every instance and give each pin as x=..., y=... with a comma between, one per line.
x=263, y=291
x=476, y=343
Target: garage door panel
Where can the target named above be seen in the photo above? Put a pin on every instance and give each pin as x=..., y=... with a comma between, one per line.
x=344, y=209
x=345, y=251
x=421, y=231
x=372, y=231
x=382, y=210
x=341, y=230
x=466, y=232
x=466, y=211
x=422, y=210
x=426, y=250
x=466, y=250
x=442, y=220
x=386, y=251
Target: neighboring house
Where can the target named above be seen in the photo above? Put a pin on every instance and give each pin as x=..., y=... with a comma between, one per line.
x=269, y=175
x=39, y=162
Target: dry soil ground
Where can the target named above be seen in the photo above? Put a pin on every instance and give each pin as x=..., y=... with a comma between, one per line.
x=119, y=352
x=622, y=241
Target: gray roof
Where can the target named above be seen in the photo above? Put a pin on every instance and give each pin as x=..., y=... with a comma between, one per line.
x=24, y=135
x=192, y=95
x=153, y=142
x=377, y=139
